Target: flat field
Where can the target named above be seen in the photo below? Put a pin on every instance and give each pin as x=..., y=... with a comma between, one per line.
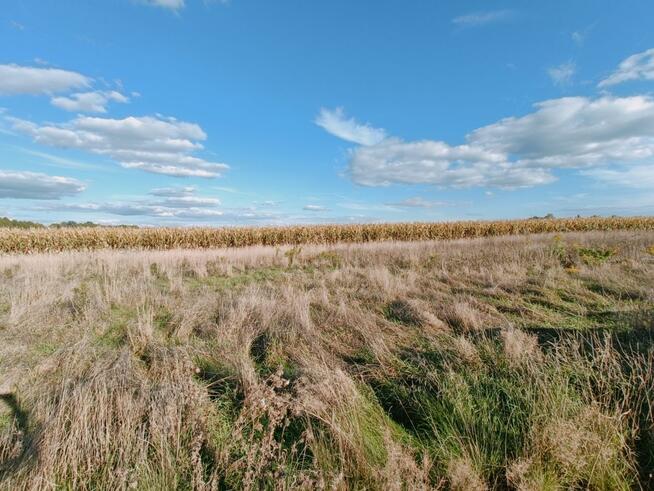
x=521, y=362
x=16, y=240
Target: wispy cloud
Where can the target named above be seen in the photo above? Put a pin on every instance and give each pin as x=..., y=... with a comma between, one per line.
x=636, y=67
x=62, y=161
x=482, y=18
x=335, y=122
x=419, y=202
x=563, y=74
x=314, y=208
x=173, y=191
x=167, y=4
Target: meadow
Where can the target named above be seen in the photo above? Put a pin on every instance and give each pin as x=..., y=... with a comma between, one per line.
x=519, y=362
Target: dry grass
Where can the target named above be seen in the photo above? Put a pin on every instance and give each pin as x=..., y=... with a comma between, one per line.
x=522, y=362
x=17, y=240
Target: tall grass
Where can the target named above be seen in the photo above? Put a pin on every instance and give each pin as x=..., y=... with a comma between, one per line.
x=515, y=362
x=80, y=238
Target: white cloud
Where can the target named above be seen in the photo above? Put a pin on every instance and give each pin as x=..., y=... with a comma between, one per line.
x=575, y=132
x=336, y=123
x=173, y=202
x=482, y=18
x=570, y=132
x=163, y=211
x=139, y=209
x=365, y=206
x=89, y=102
x=153, y=144
x=15, y=80
x=168, y=4
x=640, y=176
x=637, y=67
x=314, y=208
x=436, y=162
x=33, y=185
x=563, y=74
x=190, y=202
x=419, y=202
x=173, y=191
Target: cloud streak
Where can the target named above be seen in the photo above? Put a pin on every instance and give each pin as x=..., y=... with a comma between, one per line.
x=167, y=4
x=314, y=208
x=335, y=122
x=636, y=67
x=476, y=19
x=34, y=185
x=563, y=74
x=419, y=202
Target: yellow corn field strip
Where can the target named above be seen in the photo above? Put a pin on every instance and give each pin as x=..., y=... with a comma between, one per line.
x=65, y=239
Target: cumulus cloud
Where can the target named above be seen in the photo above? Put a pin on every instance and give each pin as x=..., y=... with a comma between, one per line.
x=419, y=202
x=476, y=19
x=314, y=208
x=570, y=132
x=34, y=185
x=89, y=102
x=636, y=67
x=17, y=80
x=436, y=162
x=338, y=124
x=153, y=144
x=575, y=132
x=563, y=74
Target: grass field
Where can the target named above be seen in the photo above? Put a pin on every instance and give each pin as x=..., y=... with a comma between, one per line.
x=522, y=362
x=21, y=240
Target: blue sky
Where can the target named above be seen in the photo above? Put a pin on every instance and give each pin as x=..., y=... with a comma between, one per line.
x=209, y=112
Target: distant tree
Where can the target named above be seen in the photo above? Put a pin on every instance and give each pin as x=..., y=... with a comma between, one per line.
x=9, y=223
x=73, y=224
x=549, y=216
x=87, y=224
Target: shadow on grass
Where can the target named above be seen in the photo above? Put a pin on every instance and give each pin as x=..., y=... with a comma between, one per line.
x=632, y=331
x=21, y=419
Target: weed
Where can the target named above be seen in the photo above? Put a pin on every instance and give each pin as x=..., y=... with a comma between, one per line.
x=593, y=256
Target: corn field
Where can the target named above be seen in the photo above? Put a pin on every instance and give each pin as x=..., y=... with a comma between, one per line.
x=25, y=241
